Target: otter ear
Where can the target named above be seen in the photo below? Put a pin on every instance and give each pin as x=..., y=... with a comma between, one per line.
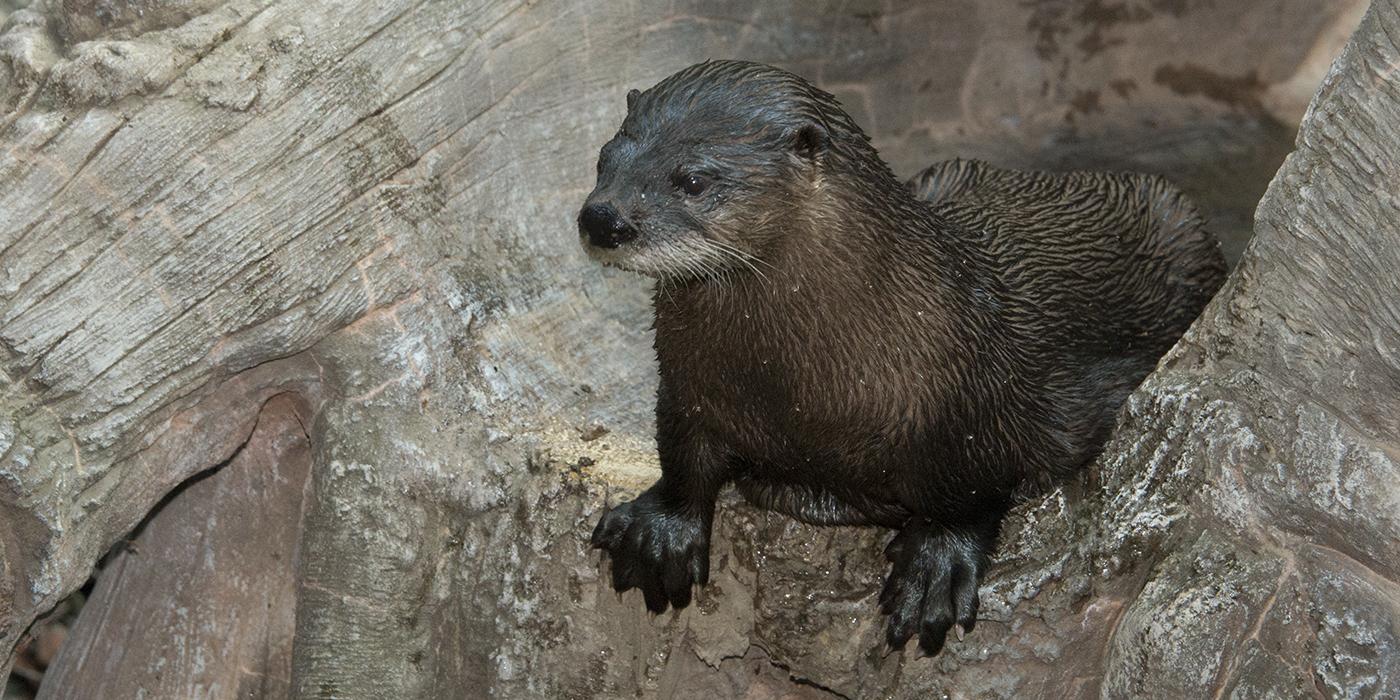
x=632, y=96
x=810, y=140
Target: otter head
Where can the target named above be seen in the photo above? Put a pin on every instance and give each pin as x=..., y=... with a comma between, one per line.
x=711, y=168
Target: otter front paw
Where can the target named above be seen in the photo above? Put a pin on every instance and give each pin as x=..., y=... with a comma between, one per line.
x=932, y=585
x=655, y=549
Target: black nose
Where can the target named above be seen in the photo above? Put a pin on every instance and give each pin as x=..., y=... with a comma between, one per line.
x=604, y=227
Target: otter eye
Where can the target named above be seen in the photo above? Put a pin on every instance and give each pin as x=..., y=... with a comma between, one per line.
x=692, y=184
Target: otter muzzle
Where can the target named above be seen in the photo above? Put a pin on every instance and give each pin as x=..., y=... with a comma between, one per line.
x=604, y=226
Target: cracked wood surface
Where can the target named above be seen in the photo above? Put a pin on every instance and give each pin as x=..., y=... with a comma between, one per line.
x=204, y=580
x=368, y=207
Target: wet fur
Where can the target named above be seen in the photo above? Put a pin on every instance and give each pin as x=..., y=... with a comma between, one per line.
x=911, y=355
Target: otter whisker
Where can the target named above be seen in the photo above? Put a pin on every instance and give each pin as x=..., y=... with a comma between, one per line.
x=746, y=255
x=714, y=262
x=703, y=261
x=749, y=259
x=694, y=265
x=742, y=257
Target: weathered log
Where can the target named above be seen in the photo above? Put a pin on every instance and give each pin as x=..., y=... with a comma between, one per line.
x=201, y=601
x=225, y=222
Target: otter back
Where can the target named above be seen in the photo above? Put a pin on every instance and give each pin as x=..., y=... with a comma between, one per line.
x=1106, y=270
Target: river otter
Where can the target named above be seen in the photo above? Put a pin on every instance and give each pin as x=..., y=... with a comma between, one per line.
x=848, y=349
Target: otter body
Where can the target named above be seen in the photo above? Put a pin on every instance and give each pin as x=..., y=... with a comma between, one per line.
x=848, y=349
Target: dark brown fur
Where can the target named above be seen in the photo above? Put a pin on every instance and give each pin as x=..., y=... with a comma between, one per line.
x=860, y=351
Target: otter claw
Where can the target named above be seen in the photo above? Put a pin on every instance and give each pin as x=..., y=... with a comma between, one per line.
x=932, y=586
x=660, y=552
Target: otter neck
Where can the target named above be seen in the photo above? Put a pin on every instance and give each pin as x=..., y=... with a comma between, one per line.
x=858, y=212
x=855, y=227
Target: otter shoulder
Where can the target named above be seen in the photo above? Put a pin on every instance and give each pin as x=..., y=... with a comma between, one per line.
x=1056, y=208
x=948, y=180
x=960, y=179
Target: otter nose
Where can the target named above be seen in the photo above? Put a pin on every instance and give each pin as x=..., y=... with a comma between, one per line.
x=604, y=226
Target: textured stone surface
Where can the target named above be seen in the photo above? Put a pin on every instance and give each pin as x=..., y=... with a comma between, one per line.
x=368, y=207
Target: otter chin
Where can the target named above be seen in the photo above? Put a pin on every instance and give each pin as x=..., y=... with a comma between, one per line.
x=667, y=260
x=847, y=348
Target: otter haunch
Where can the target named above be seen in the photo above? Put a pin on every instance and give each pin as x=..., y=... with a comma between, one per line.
x=850, y=349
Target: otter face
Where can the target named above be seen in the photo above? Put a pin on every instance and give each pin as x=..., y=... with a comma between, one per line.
x=708, y=167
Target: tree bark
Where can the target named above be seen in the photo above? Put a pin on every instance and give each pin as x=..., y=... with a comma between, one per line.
x=326, y=251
